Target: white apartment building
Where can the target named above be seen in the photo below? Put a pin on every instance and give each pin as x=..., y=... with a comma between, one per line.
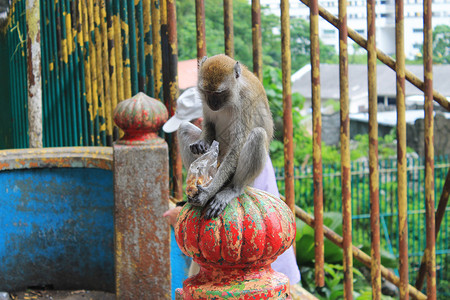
x=385, y=21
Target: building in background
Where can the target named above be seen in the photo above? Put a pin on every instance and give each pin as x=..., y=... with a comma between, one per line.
x=358, y=90
x=385, y=21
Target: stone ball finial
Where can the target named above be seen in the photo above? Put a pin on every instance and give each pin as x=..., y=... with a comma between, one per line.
x=140, y=117
x=235, y=250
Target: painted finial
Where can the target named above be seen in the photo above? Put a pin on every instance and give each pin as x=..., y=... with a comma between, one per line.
x=140, y=117
x=235, y=250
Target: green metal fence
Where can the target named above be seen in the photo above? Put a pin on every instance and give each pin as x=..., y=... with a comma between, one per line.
x=304, y=190
x=18, y=73
x=94, y=54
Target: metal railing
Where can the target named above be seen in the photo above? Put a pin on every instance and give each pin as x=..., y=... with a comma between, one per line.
x=96, y=53
x=387, y=193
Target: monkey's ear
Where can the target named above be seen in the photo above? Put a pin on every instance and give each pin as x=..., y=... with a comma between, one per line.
x=203, y=60
x=237, y=70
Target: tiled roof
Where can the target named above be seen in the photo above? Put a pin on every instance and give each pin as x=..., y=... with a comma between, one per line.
x=187, y=73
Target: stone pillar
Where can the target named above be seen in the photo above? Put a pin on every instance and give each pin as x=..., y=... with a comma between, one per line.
x=141, y=192
x=34, y=74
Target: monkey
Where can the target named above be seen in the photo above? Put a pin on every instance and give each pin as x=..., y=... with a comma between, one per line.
x=236, y=113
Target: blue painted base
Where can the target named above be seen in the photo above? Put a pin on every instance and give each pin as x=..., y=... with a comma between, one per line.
x=56, y=229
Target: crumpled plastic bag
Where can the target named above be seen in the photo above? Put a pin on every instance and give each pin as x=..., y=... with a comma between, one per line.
x=202, y=170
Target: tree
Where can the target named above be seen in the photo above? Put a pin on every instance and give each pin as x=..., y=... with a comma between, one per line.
x=270, y=31
x=441, y=44
x=215, y=44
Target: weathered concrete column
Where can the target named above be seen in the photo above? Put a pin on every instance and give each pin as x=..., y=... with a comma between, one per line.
x=34, y=73
x=141, y=191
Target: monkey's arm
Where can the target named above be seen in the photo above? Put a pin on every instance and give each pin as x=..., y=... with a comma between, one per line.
x=250, y=163
x=223, y=177
x=187, y=134
x=201, y=145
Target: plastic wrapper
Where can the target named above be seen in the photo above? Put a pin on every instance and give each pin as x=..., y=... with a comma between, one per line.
x=202, y=170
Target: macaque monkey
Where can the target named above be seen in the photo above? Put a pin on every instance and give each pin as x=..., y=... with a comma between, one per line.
x=236, y=114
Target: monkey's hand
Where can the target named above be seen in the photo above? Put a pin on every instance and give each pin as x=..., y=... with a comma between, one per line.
x=201, y=197
x=199, y=147
x=220, y=201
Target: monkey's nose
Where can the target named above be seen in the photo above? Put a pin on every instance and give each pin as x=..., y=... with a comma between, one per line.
x=214, y=104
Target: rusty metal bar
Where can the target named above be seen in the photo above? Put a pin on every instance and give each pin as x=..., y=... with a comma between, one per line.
x=125, y=41
x=69, y=59
x=79, y=71
x=157, y=32
x=47, y=84
x=167, y=80
x=141, y=66
x=440, y=212
x=84, y=40
x=133, y=48
x=177, y=167
x=34, y=76
x=200, y=23
x=100, y=73
x=345, y=153
x=429, y=150
x=112, y=64
x=317, y=144
x=357, y=253
x=386, y=59
x=287, y=105
x=66, y=84
x=165, y=57
x=55, y=75
x=373, y=153
x=257, y=39
x=119, y=51
x=228, y=27
x=106, y=75
x=92, y=59
x=148, y=48
x=401, y=152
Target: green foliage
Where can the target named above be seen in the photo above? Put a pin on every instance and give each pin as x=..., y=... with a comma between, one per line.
x=305, y=240
x=334, y=283
x=186, y=28
x=332, y=253
x=272, y=81
x=270, y=32
x=334, y=275
x=387, y=146
x=441, y=44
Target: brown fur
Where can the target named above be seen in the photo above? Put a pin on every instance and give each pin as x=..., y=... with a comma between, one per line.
x=235, y=113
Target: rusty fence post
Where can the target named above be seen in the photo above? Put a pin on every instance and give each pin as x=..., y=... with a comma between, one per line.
x=141, y=190
x=317, y=144
x=401, y=152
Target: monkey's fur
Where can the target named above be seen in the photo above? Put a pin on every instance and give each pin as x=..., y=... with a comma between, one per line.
x=235, y=113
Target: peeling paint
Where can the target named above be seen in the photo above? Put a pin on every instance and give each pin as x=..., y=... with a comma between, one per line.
x=235, y=250
x=34, y=74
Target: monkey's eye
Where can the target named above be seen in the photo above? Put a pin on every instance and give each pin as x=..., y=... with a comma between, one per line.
x=220, y=93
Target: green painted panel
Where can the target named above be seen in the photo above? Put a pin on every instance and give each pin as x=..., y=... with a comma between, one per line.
x=6, y=131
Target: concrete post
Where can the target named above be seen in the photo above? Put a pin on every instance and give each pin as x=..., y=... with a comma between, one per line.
x=141, y=191
x=34, y=74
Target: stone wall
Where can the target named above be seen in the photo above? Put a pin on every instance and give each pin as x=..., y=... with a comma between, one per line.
x=414, y=133
x=415, y=136
x=331, y=129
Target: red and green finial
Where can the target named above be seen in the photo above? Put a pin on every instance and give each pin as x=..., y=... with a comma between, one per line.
x=140, y=117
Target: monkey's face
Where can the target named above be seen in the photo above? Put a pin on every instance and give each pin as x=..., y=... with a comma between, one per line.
x=216, y=100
